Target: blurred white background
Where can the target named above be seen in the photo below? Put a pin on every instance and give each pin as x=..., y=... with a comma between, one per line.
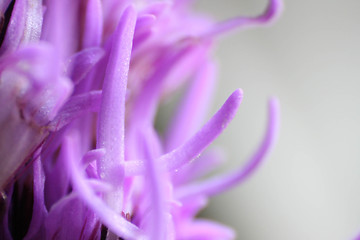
x=310, y=59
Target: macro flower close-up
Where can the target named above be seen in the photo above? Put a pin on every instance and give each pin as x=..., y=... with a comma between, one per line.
x=82, y=152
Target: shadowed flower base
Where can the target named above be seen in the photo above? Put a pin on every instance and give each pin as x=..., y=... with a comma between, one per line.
x=80, y=85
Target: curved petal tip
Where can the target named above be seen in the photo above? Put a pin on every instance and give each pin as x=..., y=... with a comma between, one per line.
x=273, y=11
x=236, y=96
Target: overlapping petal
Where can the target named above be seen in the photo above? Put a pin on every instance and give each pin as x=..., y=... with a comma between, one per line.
x=81, y=85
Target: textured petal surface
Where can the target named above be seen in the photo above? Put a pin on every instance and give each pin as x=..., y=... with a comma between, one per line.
x=85, y=152
x=110, y=132
x=222, y=183
x=197, y=143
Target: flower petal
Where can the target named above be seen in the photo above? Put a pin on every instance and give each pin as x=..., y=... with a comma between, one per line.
x=93, y=28
x=69, y=219
x=193, y=108
x=110, y=132
x=155, y=183
x=272, y=12
x=75, y=107
x=110, y=218
x=196, y=144
x=224, y=182
x=36, y=228
x=80, y=64
x=15, y=28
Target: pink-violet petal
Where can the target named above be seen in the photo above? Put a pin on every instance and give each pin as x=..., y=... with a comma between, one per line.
x=141, y=38
x=144, y=21
x=112, y=12
x=46, y=105
x=75, y=107
x=197, y=143
x=40, y=90
x=156, y=8
x=36, y=228
x=110, y=131
x=15, y=28
x=99, y=186
x=198, y=168
x=57, y=179
x=193, y=108
x=146, y=103
x=81, y=63
x=271, y=13
x=155, y=183
x=19, y=138
x=61, y=27
x=189, y=65
x=33, y=21
x=93, y=29
x=115, y=222
x=69, y=218
x=93, y=155
x=224, y=182
x=190, y=207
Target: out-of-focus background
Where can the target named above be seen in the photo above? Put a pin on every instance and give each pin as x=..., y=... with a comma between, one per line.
x=310, y=59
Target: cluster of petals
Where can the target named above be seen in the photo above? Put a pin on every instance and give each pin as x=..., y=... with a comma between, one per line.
x=81, y=82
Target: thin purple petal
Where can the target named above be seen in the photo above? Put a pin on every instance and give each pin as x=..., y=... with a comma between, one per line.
x=110, y=132
x=271, y=13
x=75, y=107
x=223, y=183
x=196, y=144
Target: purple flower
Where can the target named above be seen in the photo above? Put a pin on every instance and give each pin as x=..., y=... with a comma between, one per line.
x=80, y=85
